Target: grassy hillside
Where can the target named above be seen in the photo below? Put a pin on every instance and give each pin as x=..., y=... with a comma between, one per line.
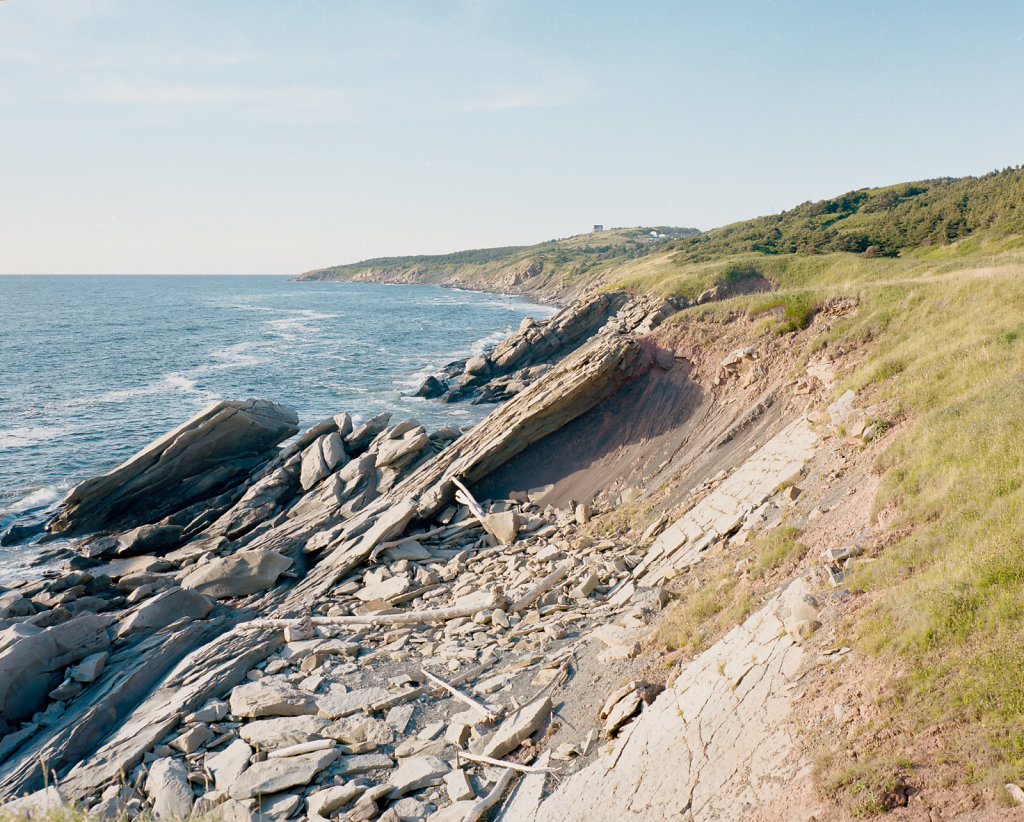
x=561, y=261
x=939, y=342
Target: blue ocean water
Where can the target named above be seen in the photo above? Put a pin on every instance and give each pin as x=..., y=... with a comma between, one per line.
x=94, y=367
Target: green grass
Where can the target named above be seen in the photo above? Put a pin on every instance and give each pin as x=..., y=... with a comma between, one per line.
x=939, y=337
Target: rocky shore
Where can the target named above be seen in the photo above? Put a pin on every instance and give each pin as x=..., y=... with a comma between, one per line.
x=348, y=627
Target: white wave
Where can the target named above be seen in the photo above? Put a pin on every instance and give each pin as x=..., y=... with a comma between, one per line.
x=24, y=436
x=181, y=382
x=39, y=498
x=494, y=338
x=234, y=356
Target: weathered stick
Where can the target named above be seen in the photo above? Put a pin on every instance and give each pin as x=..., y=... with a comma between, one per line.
x=473, y=703
x=477, y=811
x=552, y=579
x=467, y=499
x=496, y=600
x=415, y=693
x=501, y=763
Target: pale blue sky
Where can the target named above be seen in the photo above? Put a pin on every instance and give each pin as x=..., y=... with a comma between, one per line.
x=208, y=136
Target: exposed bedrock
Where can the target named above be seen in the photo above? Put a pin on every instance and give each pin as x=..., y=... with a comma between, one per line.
x=199, y=459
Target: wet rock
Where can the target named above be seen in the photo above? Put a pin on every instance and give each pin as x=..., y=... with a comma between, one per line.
x=431, y=388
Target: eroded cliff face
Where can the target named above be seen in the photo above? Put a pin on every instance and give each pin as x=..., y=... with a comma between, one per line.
x=347, y=630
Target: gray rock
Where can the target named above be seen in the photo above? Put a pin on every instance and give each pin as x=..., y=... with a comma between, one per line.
x=237, y=575
x=457, y=785
x=168, y=788
x=165, y=608
x=281, y=732
x=274, y=775
x=89, y=668
x=327, y=800
x=32, y=660
x=336, y=704
x=333, y=450
x=314, y=468
x=199, y=459
x=516, y=729
x=504, y=526
x=229, y=764
x=361, y=763
x=410, y=810
x=274, y=698
x=415, y=773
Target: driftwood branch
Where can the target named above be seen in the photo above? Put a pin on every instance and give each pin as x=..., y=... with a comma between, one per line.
x=473, y=703
x=552, y=579
x=475, y=813
x=501, y=763
x=466, y=498
x=415, y=693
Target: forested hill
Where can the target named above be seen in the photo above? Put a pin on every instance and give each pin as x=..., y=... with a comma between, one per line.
x=876, y=221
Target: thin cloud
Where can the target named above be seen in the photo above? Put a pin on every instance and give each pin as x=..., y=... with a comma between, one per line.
x=124, y=92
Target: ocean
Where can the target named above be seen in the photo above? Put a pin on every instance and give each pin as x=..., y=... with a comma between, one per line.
x=92, y=368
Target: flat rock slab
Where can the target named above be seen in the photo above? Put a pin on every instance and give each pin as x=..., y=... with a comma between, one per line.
x=282, y=732
x=274, y=775
x=335, y=705
x=229, y=764
x=262, y=698
x=712, y=747
x=415, y=773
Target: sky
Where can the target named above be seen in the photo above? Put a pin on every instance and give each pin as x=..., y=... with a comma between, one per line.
x=221, y=136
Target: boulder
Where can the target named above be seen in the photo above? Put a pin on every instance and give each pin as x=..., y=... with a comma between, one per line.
x=168, y=788
x=33, y=659
x=165, y=608
x=478, y=366
x=504, y=526
x=431, y=388
x=199, y=459
x=237, y=575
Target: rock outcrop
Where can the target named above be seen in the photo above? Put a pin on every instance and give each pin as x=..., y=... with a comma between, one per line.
x=198, y=460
